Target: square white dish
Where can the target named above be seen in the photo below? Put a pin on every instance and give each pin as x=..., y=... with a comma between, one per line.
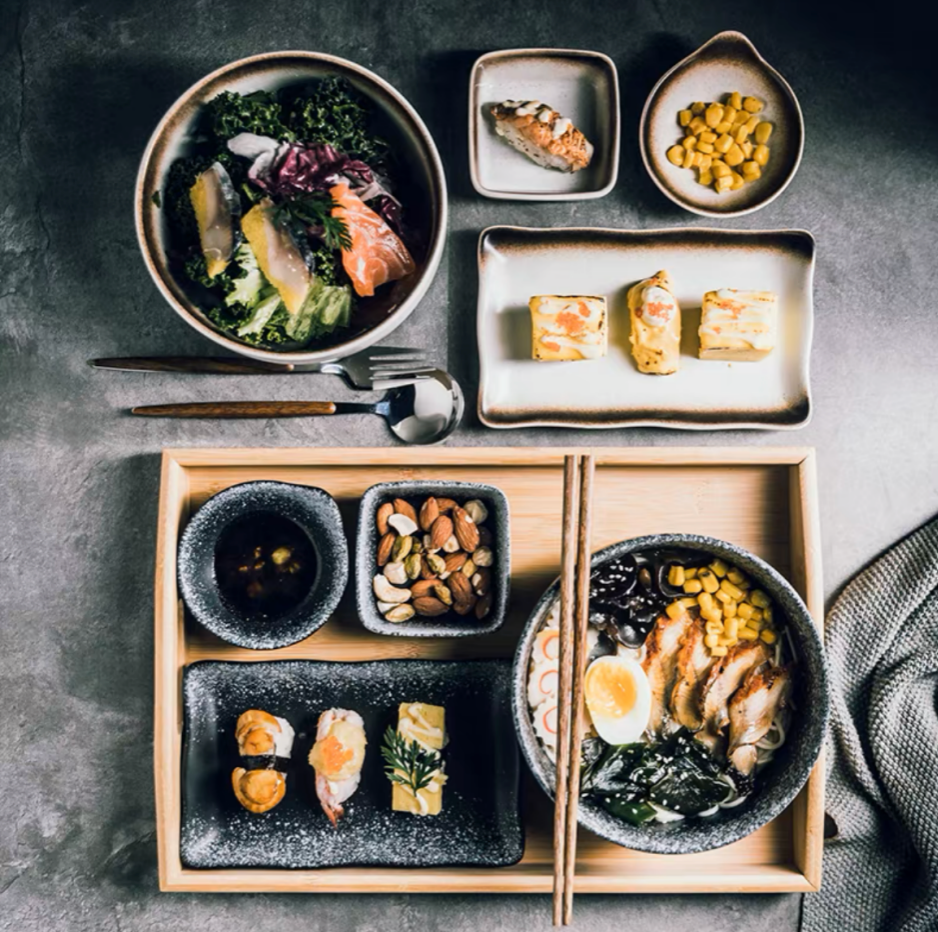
x=581, y=85
x=515, y=391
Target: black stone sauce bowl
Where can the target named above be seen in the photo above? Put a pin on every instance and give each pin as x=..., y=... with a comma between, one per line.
x=314, y=511
x=777, y=784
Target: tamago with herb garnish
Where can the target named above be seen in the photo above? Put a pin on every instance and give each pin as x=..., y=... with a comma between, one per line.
x=413, y=762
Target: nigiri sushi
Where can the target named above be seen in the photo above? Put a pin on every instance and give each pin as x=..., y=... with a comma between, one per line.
x=267, y=740
x=542, y=134
x=337, y=757
x=377, y=255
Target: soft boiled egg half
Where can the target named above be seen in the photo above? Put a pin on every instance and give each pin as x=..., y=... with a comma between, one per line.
x=618, y=698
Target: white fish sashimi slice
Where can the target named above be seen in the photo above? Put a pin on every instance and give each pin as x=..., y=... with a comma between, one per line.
x=217, y=208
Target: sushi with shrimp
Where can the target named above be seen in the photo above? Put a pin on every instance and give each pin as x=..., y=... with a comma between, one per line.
x=265, y=743
x=337, y=758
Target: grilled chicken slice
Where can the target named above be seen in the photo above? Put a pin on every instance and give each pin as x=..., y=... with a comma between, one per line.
x=722, y=681
x=752, y=710
x=693, y=664
x=662, y=647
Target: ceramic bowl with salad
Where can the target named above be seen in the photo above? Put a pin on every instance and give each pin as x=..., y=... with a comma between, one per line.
x=292, y=207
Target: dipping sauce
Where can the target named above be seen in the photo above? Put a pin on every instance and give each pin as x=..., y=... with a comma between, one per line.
x=265, y=565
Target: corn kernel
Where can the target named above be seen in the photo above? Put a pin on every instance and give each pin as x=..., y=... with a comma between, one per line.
x=711, y=640
x=763, y=131
x=747, y=148
x=767, y=613
x=718, y=651
x=714, y=615
x=725, y=641
x=676, y=575
x=698, y=125
x=690, y=572
x=698, y=106
x=719, y=568
x=735, y=577
x=761, y=155
x=689, y=158
x=730, y=609
x=734, y=156
x=705, y=161
x=684, y=117
x=741, y=135
x=689, y=142
x=693, y=586
x=731, y=590
x=729, y=114
x=744, y=610
x=723, y=143
x=705, y=601
x=722, y=596
x=676, y=155
x=735, y=100
x=741, y=118
x=708, y=137
x=757, y=624
x=759, y=599
x=756, y=615
x=713, y=627
x=747, y=634
x=723, y=127
x=689, y=601
x=751, y=171
x=723, y=183
x=705, y=178
x=720, y=169
x=697, y=159
x=713, y=114
x=675, y=610
x=705, y=147
x=752, y=123
x=731, y=627
x=768, y=636
x=752, y=104
x=710, y=582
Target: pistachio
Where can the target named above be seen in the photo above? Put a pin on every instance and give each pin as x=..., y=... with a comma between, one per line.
x=402, y=547
x=417, y=545
x=396, y=573
x=436, y=563
x=387, y=592
x=412, y=566
x=443, y=594
x=468, y=568
x=483, y=557
x=451, y=545
x=400, y=613
x=476, y=510
x=404, y=525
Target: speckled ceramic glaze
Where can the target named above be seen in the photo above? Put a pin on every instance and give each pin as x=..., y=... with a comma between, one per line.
x=778, y=784
x=366, y=546
x=728, y=62
x=313, y=510
x=420, y=185
x=480, y=823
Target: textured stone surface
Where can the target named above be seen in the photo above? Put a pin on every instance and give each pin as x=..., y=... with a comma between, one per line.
x=81, y=87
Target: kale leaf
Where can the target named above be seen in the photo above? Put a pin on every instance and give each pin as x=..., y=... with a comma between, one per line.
x=230, y=113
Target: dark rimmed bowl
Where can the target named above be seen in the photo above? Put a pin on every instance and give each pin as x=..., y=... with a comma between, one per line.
x=421, y=186
x=366, y=546
x=314, y=511
x=781, y=780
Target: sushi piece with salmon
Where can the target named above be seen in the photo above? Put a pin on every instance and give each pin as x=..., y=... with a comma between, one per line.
x=542, y=134
x=377, y=254
x=337, y=758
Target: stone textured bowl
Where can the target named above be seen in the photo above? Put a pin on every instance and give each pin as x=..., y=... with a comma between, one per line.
x=450, y=625
x=421, y=187
x=314, y=511
x=779, y=783
x=728, y=62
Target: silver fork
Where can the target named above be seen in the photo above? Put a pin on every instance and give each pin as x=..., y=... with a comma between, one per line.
x=377, y=368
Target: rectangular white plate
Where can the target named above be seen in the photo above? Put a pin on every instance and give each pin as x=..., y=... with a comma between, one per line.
x=515, y=391
x=583, y=86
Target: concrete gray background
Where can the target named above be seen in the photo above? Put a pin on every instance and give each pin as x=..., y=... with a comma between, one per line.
x=82, y=86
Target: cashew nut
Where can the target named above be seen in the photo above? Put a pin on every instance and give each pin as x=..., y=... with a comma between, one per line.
x=388, y=593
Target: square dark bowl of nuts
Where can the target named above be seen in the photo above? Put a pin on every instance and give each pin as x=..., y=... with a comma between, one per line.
x=432, y=559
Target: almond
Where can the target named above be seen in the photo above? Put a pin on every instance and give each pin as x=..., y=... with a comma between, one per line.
x=461, y=588
x=429, y=607
x=484, y=606
x=445, y=505
x=443, y=594
x=385, y=546
x=455, y=561
x=422, y=587
x=429, y=512
x=465, y=530
x=482, y=581
x=384, y=512
x=464, y=608
x=441, y=531
x=405, y=508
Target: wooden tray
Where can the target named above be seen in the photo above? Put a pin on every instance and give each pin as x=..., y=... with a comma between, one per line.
x=764, y=499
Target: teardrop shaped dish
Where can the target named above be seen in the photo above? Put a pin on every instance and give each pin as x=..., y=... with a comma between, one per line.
x=728, y=62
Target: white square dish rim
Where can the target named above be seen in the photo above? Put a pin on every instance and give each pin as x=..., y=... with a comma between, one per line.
x=474, y=128
x=804, y=372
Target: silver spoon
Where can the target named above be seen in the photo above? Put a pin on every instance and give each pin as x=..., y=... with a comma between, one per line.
x=424, y=412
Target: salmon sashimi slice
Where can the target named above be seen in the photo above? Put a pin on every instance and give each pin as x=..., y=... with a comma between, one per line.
x=377, y=255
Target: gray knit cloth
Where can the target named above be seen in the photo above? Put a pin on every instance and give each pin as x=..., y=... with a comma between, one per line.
x=881, y=869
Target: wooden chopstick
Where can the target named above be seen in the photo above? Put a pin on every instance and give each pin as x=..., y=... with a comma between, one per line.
x=570, y=547
x=580, y=651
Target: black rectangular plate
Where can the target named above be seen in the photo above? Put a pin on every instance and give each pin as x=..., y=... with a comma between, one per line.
x=480, y=824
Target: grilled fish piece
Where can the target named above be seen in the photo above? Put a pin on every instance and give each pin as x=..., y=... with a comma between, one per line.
x=662, y=647
x=693, y=665
x=542, y=134
x=722, y=681
x=752, y=710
